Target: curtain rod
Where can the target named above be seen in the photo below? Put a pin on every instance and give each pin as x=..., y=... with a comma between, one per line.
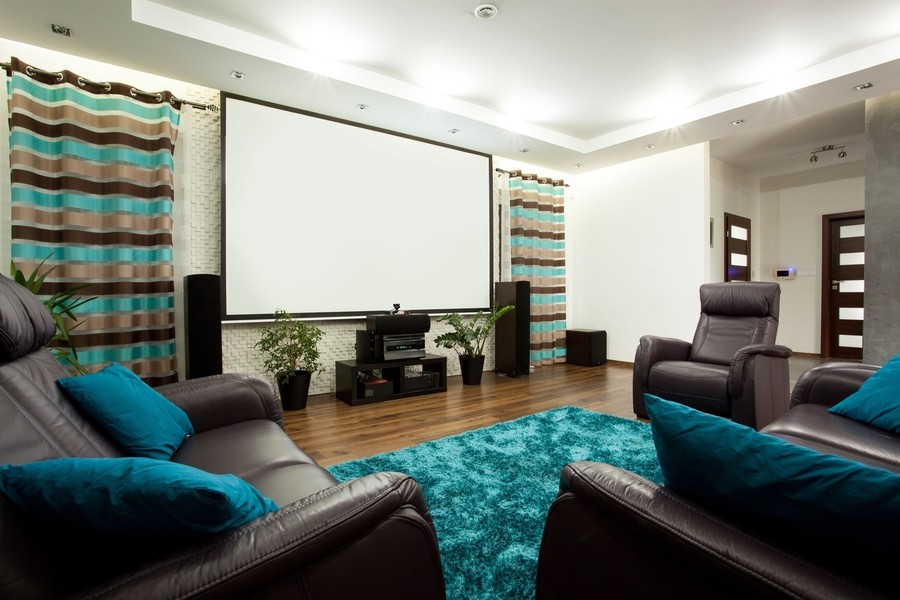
x=529, y=177
x=82, y=81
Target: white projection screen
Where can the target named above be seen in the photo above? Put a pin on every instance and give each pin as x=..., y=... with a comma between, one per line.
x=326, y=218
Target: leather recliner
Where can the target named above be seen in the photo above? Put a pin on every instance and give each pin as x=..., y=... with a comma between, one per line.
x=732, y=368
x=371, y=537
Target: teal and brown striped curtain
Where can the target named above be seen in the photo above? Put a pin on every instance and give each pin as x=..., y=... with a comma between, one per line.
x=92, y=193
x=538, y=255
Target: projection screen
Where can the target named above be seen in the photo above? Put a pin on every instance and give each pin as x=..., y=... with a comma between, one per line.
x=327, y=218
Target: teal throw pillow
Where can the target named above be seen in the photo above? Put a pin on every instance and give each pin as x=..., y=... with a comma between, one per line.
x=877, y=401
x=798, y=493
x=137, y=417
x=142, y=497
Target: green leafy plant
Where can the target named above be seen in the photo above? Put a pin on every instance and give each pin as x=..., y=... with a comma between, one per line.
x=61, y=306
x=469, y=335
x=289, y=345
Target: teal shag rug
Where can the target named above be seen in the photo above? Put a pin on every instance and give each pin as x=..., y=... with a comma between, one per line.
x=489, y=490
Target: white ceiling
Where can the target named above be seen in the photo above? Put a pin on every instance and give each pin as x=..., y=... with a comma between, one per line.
x=588, y=82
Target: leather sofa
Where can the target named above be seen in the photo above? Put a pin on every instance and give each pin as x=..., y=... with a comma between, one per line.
x=613, y=534
x=372, y=537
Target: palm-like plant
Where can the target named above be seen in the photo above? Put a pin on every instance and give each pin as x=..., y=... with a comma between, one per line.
x=469, y=336
x=61, y=306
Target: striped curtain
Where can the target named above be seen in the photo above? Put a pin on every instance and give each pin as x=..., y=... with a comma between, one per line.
x=92, y=194
x=538, y=255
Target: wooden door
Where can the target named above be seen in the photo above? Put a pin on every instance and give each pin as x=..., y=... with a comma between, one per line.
x=737, y=248
x=843, y=284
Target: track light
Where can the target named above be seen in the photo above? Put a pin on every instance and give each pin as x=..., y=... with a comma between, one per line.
x=814, y=158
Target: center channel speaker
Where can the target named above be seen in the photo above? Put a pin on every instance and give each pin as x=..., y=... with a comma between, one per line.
x=512, y=346
x=202, y=325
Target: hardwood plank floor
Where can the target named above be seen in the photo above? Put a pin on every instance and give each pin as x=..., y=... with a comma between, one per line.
x=331, y=431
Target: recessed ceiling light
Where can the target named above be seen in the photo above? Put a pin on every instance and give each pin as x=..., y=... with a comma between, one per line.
x=864, y=86
x=486, y=11
x=453, y=131
x=737, y=122
x=61, y=30
x=524, y=150
x=578, y=165
x=238, y=74
x=649, y=146
x=362, y=106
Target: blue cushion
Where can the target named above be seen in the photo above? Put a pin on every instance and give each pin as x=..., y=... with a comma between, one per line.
x=137, y=417
x=758, y=478
x=133, y=496
x=877, y=401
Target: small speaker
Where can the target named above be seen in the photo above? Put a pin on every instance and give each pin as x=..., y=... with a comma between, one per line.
x=202, y=325
x=512, y=334
x=585, y=347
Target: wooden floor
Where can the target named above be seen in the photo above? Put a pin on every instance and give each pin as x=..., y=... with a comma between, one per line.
x=331, y=431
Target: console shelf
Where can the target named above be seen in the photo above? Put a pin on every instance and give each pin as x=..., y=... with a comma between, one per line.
x=349, y=388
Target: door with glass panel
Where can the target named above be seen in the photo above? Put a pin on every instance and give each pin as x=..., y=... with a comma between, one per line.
x=737, y=248
x=843, y=280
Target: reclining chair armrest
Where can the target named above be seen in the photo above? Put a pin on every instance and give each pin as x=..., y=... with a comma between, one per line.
x=653, y=349
x=219, y=400
x=830, y=383
x=613, y=534
x=758, y=384
x=368, y=538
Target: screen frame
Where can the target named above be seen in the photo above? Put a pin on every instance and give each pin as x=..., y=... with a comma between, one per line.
x=347, y=314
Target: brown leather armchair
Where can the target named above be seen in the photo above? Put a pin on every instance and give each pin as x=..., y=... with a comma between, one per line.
x=371, y=537
x=732, y=368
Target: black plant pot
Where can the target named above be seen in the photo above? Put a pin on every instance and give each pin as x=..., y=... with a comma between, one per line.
x=471, y=368
x=295, y=392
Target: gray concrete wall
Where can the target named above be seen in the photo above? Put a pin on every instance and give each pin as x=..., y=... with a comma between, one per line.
x=881, y=326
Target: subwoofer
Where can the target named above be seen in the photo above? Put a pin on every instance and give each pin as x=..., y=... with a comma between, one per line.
x=202, y=325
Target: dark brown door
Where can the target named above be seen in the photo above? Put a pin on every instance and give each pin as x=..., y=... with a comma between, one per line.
x=737, y=248
x=843, y=284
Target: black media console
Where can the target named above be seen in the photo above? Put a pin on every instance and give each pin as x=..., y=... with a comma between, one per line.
x=425, y=375
x=390, y=361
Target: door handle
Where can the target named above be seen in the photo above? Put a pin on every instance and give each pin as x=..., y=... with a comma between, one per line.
x=835, y=284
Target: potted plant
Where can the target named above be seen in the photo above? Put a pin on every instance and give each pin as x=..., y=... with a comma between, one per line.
x=291, y=354
x=61, y=307
x=468, y=338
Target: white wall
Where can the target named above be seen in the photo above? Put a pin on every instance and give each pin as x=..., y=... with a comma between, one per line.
x=638, y=248
x=791, y=218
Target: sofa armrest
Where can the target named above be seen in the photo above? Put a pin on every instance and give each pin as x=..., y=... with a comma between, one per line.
x=220, y=400
x=368, y=538
x=613, y=534
x=758, y=384
x=830, y=383
x=653, y=349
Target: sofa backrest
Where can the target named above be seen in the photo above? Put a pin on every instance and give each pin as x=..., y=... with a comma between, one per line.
x=37, y=420
x=732, y=316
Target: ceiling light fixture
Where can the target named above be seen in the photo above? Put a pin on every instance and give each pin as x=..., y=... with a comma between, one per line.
x=828, y=148
x=737, y=122
x=238, y=75
x=525, y=150
x=486, y=11
x=649, y=146
x=60, y=29
x=453, y=131
x=578, y=165
x=361, y=106
x=864, y=86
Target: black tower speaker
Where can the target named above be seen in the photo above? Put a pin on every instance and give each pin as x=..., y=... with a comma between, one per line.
x=513, y=330
x=202, y=325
